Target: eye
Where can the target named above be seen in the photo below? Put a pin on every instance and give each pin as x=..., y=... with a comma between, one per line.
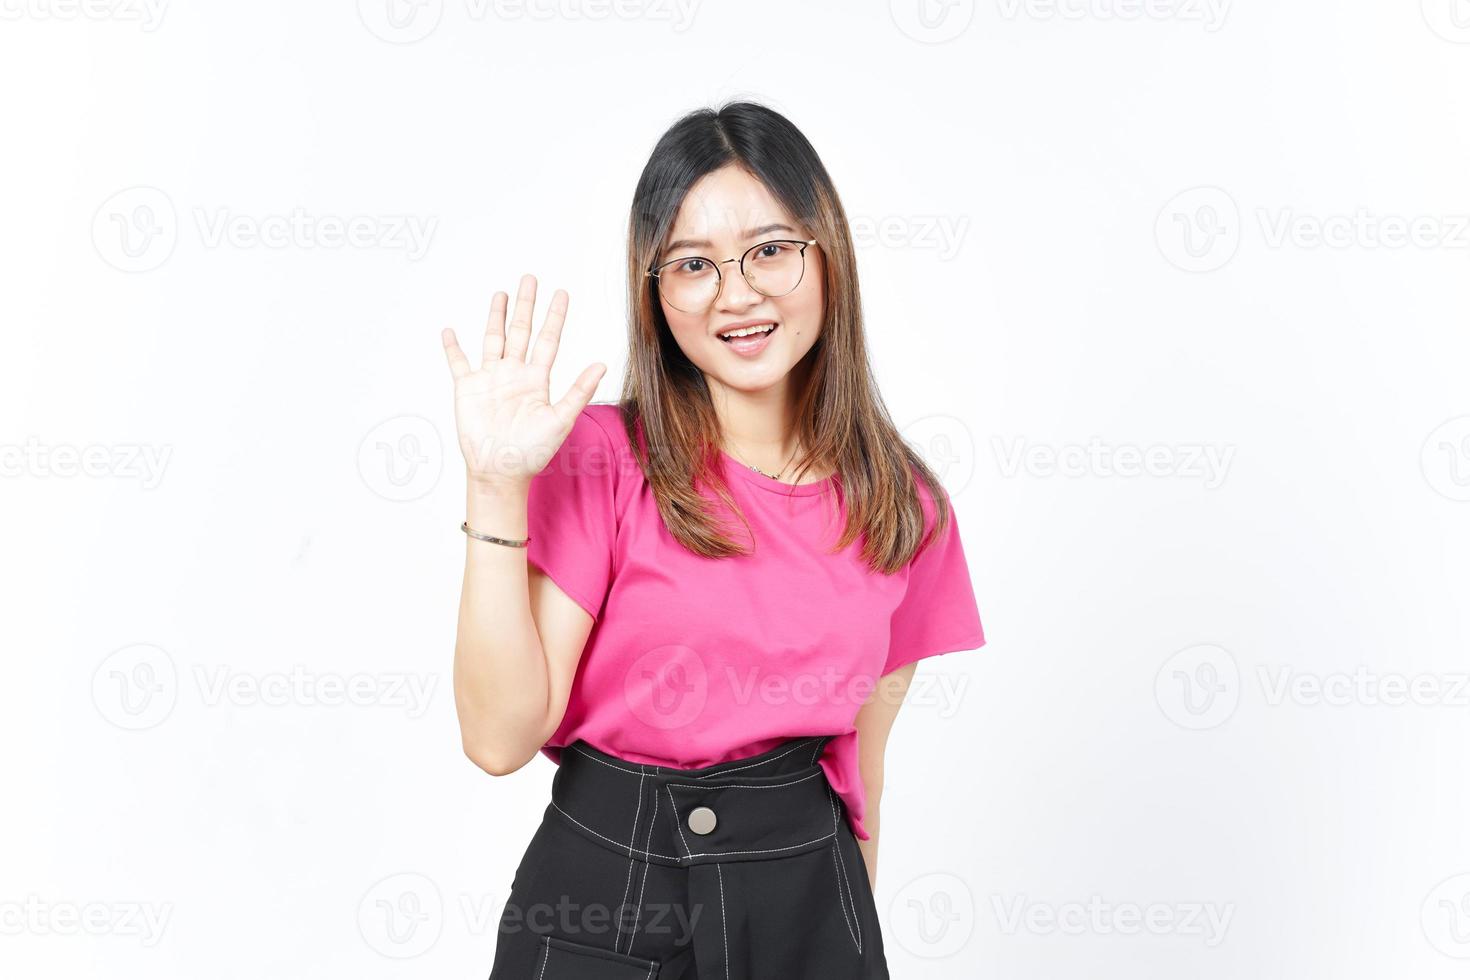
x=694, y=266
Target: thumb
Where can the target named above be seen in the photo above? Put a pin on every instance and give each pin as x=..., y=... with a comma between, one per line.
x=581, y=393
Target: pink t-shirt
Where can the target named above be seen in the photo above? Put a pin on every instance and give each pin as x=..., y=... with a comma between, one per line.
x=694, y=661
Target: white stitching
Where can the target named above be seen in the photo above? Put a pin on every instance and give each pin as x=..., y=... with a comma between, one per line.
x=835, y=858
x=668, y=857
x=753, y=765
x=545, y=955
x=708, y=775
x=837, y=852
x=680, y=858
x=632, y=839
x=772, y=786
x=678, y=824
x=603, y=762
x=642, y=884
x=724, y=930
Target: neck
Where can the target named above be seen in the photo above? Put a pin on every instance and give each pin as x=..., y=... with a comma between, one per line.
x=758, y=426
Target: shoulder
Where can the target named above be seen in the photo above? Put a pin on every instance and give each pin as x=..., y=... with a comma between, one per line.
x=940, y=526
x=600, y=441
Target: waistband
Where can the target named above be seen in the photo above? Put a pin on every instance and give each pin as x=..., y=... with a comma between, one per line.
x=768, y=806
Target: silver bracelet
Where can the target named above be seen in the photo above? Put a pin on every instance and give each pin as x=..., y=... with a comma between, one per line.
x=465, y=527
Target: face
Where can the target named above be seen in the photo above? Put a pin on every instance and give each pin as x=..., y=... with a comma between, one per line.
x=725, y=213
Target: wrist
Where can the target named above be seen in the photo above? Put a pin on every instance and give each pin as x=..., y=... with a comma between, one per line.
x=496, y=488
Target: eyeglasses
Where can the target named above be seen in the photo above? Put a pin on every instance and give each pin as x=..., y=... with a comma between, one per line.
x=690, y=284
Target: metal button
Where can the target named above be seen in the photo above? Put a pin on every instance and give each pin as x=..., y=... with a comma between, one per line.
x=701, y=820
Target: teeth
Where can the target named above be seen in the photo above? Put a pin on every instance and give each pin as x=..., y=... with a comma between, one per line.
x=747, y=331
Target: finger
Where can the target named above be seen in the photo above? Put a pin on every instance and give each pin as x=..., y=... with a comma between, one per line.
x=459, y=365
x=549, y=339
x=583, y=389
x=518, y=334
x=494, y=344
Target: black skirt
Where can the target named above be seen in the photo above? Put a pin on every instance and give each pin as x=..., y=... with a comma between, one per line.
x=746, y=870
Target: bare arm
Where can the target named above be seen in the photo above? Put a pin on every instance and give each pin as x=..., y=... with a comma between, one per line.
x=874, y=722
x=519, y=636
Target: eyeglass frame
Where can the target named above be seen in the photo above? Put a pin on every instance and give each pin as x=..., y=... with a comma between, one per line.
x=720, y=278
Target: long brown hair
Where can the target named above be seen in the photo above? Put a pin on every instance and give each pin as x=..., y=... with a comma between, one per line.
x=842, y=421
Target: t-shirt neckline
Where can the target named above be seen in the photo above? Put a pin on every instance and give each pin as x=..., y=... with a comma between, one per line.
x=774, y=485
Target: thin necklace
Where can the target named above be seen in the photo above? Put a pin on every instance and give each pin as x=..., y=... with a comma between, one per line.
x=773, y=476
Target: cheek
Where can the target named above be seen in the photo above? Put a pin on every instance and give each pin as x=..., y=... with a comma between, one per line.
x=805, y=311
x=687, y=330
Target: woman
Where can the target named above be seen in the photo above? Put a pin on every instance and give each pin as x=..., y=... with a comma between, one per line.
x=686, y=599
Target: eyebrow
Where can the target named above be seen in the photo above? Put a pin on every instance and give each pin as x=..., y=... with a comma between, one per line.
x=746, y=236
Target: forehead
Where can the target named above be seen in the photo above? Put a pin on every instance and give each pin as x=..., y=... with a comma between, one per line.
x=725, y=203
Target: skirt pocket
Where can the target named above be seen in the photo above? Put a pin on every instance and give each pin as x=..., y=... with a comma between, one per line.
x=562, y=959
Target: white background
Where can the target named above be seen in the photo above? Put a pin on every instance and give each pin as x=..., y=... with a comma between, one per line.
x=1086, y=230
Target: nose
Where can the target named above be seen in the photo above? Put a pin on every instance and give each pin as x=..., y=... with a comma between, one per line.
x=736, y=294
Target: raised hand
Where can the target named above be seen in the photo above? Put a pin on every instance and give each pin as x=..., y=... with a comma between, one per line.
x=508, y=426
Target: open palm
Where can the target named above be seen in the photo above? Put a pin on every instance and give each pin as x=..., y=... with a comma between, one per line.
x=508, y=426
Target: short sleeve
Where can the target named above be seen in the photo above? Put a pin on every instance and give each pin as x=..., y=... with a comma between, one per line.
x=571, y=514
x=938, y=613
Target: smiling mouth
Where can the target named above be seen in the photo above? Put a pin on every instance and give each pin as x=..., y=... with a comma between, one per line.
x=769, y=329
